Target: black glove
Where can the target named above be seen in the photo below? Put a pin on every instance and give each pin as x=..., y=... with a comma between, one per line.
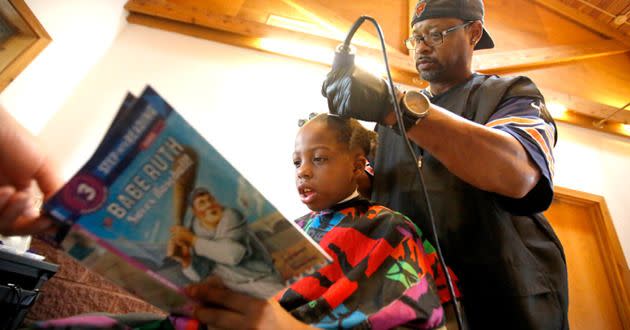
x=352, y=92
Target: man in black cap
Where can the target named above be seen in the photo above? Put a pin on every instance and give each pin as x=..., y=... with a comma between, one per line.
x=486, y=145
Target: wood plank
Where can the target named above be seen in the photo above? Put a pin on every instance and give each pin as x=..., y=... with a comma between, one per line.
x=538, y=58
x=500, y=63
x=585, y=20
x=330, y=19
x=219, y=7
x=398, y=61
x=579, y=119
x=253, y=35
x=585, y=106
x=258, y=43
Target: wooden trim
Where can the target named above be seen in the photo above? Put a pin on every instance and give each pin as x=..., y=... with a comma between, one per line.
x=244, y=33
x=20, y=49
x=321, y=14
x=579, y=119
x=615, y=264
x=253, y=42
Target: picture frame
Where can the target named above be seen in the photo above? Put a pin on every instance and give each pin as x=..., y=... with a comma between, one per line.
x=22, y=38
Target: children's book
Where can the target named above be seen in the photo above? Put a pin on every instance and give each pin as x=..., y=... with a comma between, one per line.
x=156, y=207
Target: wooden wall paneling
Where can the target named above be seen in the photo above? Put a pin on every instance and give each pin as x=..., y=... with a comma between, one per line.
x=561, y=63
x=537, y=58
x=401, y=76
x=574, y=14
x=391, y=16
x=585, y=106
x=220, y=7
x=327, y=16
x=602, y=80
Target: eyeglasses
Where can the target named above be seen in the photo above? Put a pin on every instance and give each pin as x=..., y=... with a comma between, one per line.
x=433, y=39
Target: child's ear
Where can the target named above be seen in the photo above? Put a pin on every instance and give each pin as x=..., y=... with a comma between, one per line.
x=359, y=163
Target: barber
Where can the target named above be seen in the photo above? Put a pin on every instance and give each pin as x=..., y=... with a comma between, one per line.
x=486, y=144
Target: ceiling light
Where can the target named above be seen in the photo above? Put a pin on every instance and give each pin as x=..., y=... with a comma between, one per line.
x=620, y=19
x=557, y=109
x=294, y=24
x=297, y=49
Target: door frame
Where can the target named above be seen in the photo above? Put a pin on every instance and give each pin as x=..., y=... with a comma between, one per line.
x=615, y=265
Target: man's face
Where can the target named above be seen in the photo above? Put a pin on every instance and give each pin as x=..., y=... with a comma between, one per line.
x=445, y=62
x=325, y=170
x=207, y=210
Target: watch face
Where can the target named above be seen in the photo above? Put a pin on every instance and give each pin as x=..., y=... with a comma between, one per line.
x=416, y=102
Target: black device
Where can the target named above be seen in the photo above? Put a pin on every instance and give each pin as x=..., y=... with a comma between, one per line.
x=344, y=59
x=21, y=279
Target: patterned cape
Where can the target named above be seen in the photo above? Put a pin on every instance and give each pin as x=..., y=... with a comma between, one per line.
x=381, y=277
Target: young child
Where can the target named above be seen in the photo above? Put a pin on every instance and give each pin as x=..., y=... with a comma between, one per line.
x=380, y=276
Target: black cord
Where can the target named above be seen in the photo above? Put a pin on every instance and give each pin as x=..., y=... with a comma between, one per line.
x=412, y=153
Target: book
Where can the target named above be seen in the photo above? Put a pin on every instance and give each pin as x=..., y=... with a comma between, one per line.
x=156, y=208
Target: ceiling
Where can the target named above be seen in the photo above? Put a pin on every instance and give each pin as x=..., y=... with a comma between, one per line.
x=614, y=13
x=577, y=51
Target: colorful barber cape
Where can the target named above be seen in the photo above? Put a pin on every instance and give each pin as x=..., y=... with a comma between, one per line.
x=381, y=277
x=509, y=261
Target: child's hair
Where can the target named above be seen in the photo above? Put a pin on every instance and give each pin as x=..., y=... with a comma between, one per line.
x=349, y=132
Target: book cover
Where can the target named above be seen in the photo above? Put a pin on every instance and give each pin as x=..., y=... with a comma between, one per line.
x=157, y=207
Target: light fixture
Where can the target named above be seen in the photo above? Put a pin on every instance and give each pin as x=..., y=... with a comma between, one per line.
x=294, y=48
x=556, y=109
x=319, y=28
x=294, y=25
x=620, y=19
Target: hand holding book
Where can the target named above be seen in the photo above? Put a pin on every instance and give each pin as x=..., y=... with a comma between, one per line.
x=157, y=207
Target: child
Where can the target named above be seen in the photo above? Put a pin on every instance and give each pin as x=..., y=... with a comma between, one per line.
x=379, y=277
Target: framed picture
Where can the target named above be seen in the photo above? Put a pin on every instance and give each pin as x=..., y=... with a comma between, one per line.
x=22, y=38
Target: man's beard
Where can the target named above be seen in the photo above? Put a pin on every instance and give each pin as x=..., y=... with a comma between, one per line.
x=432, y=75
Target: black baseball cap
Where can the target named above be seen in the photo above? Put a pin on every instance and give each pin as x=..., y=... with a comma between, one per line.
x=467, y=10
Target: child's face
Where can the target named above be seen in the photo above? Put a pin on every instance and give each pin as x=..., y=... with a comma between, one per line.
x=325, y=170
x=207, y=210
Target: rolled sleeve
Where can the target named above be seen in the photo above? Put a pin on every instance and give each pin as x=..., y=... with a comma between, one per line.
x=523, y=119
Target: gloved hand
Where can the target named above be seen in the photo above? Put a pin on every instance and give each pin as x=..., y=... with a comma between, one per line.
x=353, y=92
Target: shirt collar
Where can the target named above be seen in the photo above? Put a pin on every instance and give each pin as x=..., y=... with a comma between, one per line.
x=353, y=195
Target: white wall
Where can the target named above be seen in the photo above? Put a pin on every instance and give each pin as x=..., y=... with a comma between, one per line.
x=81, y=32
x=597, y=163
x=246, y=103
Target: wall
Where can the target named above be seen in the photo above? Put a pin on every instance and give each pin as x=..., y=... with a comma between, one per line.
x=81, y=32
x=597, y=163
x=247, y=103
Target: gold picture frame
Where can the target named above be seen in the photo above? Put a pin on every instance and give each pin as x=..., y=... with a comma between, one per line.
x=23, y=38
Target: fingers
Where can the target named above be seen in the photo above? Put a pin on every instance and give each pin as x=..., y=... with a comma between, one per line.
x=18, y=215
x=212, y=291
x=219, y=318
x=48, y=179
x=224, y=308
